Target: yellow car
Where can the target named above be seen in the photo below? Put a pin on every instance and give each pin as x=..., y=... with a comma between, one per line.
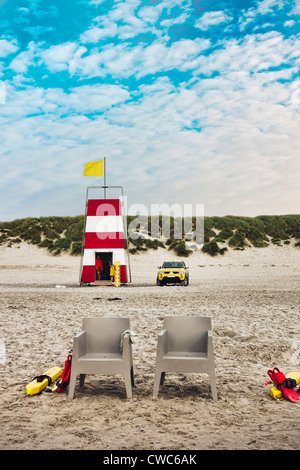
x=172, y=272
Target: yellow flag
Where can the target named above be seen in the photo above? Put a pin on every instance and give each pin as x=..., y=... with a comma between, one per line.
x=94, y=168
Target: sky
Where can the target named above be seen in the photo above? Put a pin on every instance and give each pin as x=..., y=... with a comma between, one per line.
x=189, y=101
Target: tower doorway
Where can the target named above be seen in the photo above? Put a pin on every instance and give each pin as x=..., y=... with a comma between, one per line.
x=104, y=271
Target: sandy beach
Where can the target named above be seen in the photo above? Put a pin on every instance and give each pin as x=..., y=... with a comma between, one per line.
x=253, y=299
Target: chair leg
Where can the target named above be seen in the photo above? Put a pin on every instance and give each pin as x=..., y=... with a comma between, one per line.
x=72, y=385
x=213, y=386
x=81, y=379
x=132, y=377
x=128, y=383
x=158, y=380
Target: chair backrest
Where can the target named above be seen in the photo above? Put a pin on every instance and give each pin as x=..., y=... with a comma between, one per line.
x=187, y=333
x=103, y=334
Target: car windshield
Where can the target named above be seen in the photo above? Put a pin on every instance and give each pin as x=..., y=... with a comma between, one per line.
x=173, y=264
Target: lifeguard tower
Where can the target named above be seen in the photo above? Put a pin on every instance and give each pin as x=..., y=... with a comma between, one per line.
x=104, y=237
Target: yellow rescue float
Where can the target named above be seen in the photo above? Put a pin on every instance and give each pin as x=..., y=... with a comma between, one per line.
x=40, y=382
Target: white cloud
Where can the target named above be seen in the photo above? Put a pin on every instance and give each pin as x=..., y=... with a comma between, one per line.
x=149, y=14
x=296, y=7
x=128, y=19
x=121, y=21
x=105, y=29
x=266, y=6
x=2, y=93
x=96, y=2
x=124, y=61
x=22, y=61
x=174, y=21
x=252, y=54
x=7, y=47
x=62, y=57
x=289, y=23
x=87, y=99
x=96, y=98
x=212, y=18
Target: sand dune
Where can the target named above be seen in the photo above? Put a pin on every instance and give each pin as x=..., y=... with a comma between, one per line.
x=253, y=299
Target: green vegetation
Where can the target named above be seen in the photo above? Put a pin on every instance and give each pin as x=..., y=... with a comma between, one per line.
x=241, y=232
x=213, y=249
x=57, y=234
x=179, y=247
x=64, y=234
x=145, y=244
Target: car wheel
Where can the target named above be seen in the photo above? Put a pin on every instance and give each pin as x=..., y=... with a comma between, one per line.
x=159, y=283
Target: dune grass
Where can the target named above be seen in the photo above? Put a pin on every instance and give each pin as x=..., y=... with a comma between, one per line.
x=65, y=234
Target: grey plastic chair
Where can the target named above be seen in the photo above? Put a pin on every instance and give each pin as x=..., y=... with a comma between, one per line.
x=185, y=345
x=103, y=347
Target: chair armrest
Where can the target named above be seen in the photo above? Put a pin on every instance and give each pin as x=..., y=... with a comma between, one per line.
x=162, y=346
x=209, y=343
x=79, y=345
x=126, y=344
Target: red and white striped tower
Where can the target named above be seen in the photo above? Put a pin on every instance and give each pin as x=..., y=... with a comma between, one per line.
x=105, y=236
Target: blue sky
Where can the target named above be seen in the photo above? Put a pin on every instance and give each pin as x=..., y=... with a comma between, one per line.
x=190, y=101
